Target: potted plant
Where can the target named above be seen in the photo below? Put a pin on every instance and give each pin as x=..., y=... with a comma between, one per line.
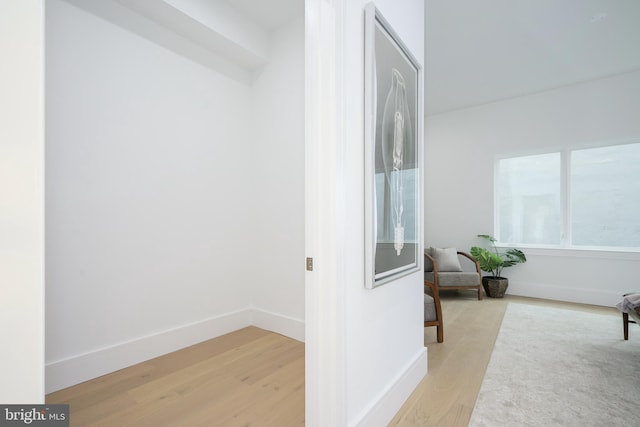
x=493, y=262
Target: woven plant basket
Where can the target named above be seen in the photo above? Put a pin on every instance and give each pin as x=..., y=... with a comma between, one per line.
x=495, y=287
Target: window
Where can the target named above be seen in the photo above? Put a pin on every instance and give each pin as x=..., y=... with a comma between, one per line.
x=574, y=198
x=529, y=199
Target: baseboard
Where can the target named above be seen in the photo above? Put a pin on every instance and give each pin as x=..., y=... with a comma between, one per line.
x=74, y=370
x=390, y=400
x=287, y=326
x=601, y=297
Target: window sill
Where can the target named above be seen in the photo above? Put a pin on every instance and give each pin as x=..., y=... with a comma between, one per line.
x=632, y=254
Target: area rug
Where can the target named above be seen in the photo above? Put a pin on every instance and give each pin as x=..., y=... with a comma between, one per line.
x=556, y=367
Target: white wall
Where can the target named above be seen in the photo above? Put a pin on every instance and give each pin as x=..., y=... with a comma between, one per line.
x=461, y=147
x=385, y=338
x=276, y=255
x=365, y=349
x=22, y=201
x=156, y=199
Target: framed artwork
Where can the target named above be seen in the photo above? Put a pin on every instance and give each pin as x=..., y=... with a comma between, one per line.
x=393, y=126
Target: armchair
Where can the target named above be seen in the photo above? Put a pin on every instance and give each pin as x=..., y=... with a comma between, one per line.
x=444, y=270
x=432, y=309
x=630, y=307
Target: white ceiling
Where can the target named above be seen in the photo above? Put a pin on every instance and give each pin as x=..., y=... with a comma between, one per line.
x=476, y=52
x=482, y=51
x=269, y=14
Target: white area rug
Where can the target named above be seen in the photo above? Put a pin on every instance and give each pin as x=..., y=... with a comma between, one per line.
x=553, y=367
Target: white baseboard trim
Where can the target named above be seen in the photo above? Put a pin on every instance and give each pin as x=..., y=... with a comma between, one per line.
x=287, y=326
x=74, y=370
x=390, y=400
x=602, y=297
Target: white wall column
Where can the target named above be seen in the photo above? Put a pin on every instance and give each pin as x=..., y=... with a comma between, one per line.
x=22, y=201
x=365, y=350
x=325, y=294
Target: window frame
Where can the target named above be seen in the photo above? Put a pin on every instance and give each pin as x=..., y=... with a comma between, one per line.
x=564, y=248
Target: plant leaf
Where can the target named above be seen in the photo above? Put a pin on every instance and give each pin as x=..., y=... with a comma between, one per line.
x=489, y=261
x=516, y=255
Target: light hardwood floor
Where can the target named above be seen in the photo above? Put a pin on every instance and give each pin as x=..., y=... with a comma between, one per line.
x=256, y=378
x=250, y=377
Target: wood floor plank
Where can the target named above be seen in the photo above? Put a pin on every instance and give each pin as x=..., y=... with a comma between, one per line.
x=207, y=349
x=230, y=363
x=86, y=415
x=97, y=389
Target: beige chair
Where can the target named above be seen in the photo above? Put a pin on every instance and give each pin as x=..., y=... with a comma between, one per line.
x=432, y=309
x=444, y=270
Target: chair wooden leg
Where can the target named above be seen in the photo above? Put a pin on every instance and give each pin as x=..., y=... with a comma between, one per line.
x=625, y=325
x=440, y=333
x=479, y=293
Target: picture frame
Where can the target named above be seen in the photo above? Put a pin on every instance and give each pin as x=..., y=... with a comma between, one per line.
x=393, y=154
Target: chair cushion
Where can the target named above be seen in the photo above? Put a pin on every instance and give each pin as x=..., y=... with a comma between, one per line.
x=461, y=278
x=630, y=304
x=429, y=308
x=446, y=259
